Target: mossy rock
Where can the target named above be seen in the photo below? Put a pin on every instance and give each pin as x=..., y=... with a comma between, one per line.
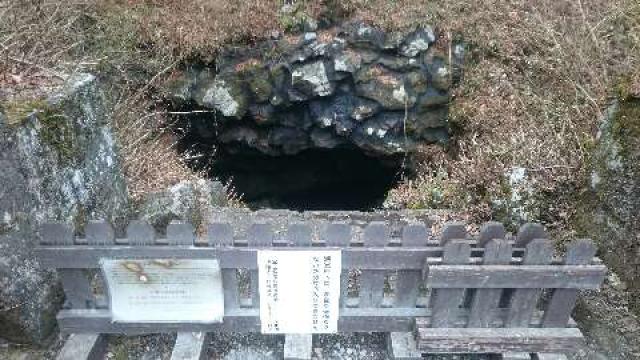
x=258, y=82
x=55, y=131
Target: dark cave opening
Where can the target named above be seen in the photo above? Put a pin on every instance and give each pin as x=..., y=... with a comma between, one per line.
x=340, y=178
x=314, y=179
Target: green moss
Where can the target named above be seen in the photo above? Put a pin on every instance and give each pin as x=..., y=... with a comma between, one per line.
x=55, y=131
x=625, y=128
x=293, y=21
x=259, y=84
x=59, y=134
x=17, y=111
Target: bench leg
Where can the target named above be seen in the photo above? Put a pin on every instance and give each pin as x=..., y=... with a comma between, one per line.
x=83, y=347
x=189, y=346
x=402, y=346
x=298, y=346
x=516, y=356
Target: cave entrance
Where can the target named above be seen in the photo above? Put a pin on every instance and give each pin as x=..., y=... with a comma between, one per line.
x=315, y=179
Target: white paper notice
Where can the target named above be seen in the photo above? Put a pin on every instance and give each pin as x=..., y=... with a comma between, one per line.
x=299, y=291
x=164, y=290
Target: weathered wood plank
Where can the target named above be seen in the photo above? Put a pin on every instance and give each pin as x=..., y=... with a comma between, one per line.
x=402, y=346
x=231, y=289
x=516, y=356
x=523, y=301
x=299, y=235
x=98, y=232
x=489, y=231
x=480, y=340
x=248, y=320
x=388, y=258
x=529, y=232
x=56, y=234
x=550, y=356
x=371, y=294
x=77, y=288
x=453, y=231
x=447, y=301
x=189, y=346
x=408, y=281
x=140, y=233
x=83, y=347
x=220, y=234
x=562, y=301
x=180, y=233
x=298, y=346
x=415, y=235
x=516, y=277
x=497, y=252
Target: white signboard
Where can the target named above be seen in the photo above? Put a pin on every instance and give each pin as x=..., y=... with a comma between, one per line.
x=299, y=291
x=164, y=290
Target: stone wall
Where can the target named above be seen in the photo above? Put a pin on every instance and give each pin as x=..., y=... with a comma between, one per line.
x=353, y=86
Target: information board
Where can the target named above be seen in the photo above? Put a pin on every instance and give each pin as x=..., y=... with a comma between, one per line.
x=299, y=291
x=164, y=290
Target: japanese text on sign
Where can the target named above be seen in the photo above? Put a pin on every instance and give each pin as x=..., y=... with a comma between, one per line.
x=299, y=291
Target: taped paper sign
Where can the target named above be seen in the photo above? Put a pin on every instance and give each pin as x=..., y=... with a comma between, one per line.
x=164, y=290
x=299, y=291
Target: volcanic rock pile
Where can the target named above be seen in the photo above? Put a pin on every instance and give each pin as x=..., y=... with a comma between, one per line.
x=354, y=86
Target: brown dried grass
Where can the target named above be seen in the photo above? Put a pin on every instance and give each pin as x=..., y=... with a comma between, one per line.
x=539, y=75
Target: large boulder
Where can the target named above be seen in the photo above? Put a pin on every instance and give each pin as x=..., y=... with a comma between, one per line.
x=59, y=163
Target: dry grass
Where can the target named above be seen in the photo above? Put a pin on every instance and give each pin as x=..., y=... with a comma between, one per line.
x=539, y=75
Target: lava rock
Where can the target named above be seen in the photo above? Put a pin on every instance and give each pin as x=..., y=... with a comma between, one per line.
x=262, y=114
x=418, y=80
x=385, y=87
x=431, y=98
x=325, y=139
x=337, y=81
x=421, y=124
x=258, y=83
x=364, y=109
x=347, y=61
x=291, y=140
x=417, y=42
x=327, y=113
x=312, y=79
x=227, y=97
x=399, y=63
x=438, y=71
x=180, y=89
x=366, y=36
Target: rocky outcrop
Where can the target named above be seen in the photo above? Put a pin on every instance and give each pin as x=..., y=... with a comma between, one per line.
x=189, y=200
x=59, y=162
x=354, y=86
x=611, y=214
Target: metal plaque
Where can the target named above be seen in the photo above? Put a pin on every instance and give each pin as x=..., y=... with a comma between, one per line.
x=164, y=290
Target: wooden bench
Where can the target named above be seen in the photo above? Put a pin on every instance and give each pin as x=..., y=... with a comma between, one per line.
x=451, y=294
